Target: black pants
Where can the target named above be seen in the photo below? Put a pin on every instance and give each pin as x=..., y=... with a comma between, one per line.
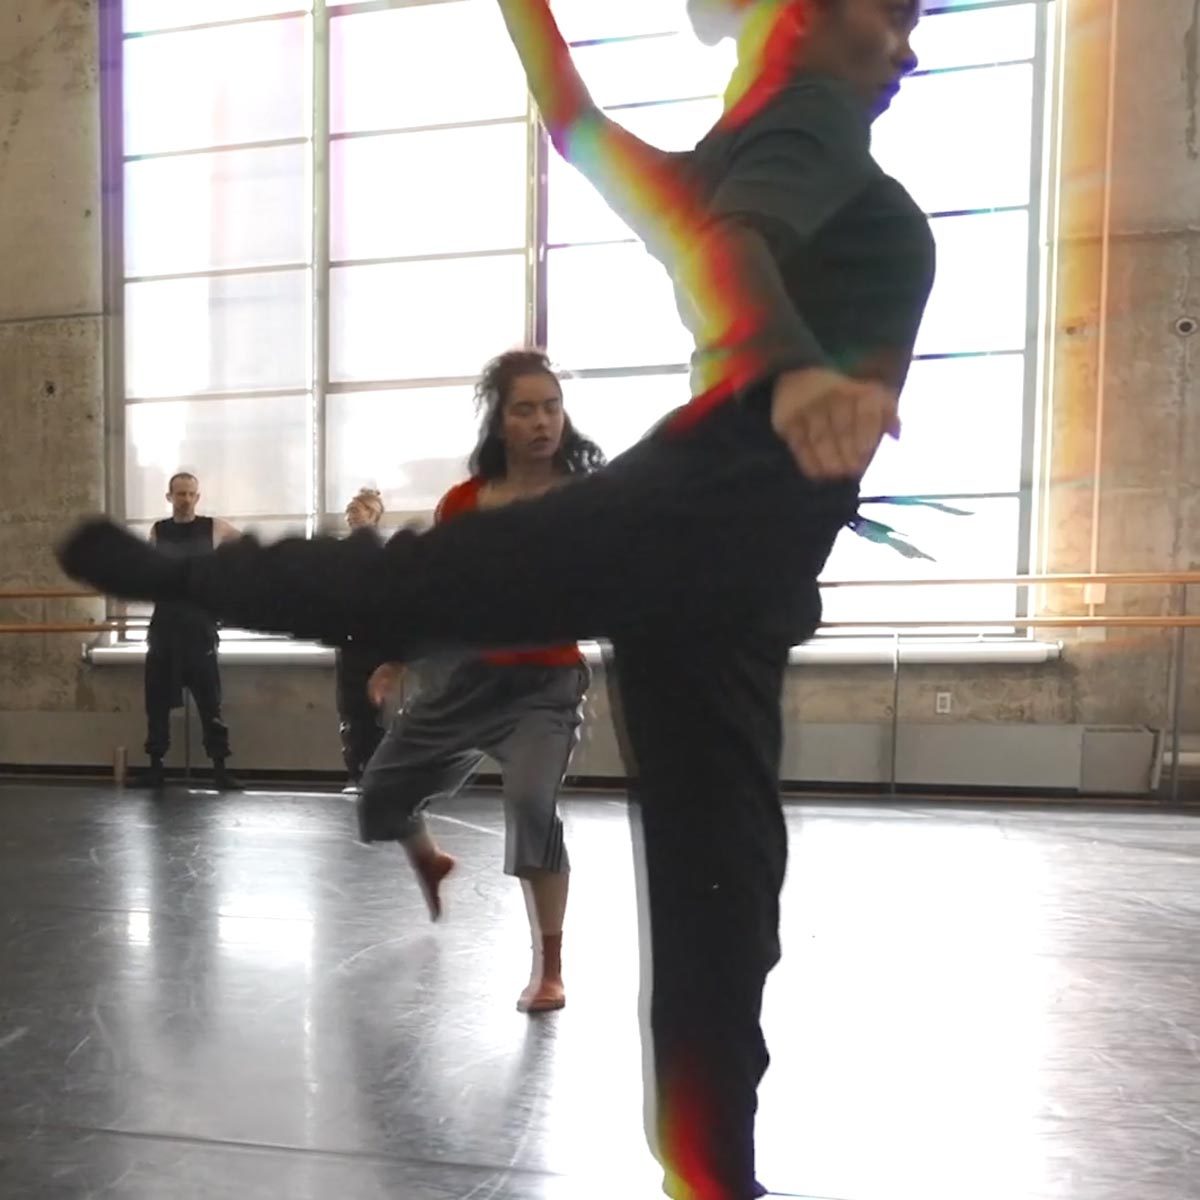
x=700, y=732
x=697, y=556
x=358, y=718
x=178, y=659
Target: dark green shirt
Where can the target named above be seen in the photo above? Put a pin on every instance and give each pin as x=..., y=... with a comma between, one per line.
x=832, y=256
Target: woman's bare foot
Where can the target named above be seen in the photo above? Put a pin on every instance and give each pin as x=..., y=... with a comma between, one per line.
x=542, y=995
x=431, y=870
x=545, y=992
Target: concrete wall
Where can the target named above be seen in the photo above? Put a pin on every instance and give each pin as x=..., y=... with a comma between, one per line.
x=51, y=364
x=53, y=709
x=1122, y=435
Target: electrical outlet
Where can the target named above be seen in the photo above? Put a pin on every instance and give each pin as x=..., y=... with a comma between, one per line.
x=943, y=703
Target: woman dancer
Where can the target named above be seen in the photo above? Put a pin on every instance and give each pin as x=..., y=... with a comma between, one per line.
x=522, y=708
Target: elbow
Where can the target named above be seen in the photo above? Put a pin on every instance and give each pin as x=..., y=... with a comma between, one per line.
x=569, y=129
x=560, y=140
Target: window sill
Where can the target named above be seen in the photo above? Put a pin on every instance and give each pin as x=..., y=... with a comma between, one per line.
x=822, y=652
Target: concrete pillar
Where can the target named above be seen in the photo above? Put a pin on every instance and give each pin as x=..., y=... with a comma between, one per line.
x=1133, y=505
x=50, y=324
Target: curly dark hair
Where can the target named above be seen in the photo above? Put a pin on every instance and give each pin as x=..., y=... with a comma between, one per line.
x=577, y=455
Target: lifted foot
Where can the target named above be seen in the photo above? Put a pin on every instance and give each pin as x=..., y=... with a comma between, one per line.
x=430, y=873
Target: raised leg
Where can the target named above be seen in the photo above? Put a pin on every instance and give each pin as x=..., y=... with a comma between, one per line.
x=413, y=765
x=714, y=529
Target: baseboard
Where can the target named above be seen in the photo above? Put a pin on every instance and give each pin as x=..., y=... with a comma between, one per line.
x=950, y=758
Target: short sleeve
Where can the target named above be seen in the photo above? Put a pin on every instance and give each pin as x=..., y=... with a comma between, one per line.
x=804, y=157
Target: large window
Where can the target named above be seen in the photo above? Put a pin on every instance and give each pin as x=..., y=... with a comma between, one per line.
x=334, y=214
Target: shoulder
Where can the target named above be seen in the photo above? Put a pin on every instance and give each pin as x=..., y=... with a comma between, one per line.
x=463, y=497
x=822, y=109
x=810, y=129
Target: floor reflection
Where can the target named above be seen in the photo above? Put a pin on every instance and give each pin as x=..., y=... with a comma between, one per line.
x=207, y=996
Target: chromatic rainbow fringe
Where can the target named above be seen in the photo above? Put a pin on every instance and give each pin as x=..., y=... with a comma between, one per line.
x=650, y=189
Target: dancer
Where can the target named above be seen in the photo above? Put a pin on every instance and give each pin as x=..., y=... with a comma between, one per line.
x=803, y=272
x=358, y=718
x=521, y=708
x=182, y=641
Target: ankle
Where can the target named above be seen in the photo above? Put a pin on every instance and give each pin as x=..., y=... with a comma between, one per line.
x=548, y=957
x=430, y=870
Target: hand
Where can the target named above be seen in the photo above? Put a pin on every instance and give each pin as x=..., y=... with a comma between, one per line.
x=383, y=682
x=832, y=424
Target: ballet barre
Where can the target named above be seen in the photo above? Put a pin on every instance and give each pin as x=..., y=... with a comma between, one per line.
x=1177, y=623
x=929, y=625
x=73, y=626
x=48, y=594
x=1115, y=579
x=1100, y=579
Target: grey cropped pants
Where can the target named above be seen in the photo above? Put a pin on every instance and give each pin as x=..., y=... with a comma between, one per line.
x=525, y=717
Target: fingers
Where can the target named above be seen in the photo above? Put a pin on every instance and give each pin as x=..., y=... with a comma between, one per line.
x=846, y=429
x=822, y=437
x=833, y=425
x=378, y=687
x=875, y=414
x=838, y=437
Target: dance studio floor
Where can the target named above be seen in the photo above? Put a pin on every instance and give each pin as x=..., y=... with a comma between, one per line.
x=210, y=997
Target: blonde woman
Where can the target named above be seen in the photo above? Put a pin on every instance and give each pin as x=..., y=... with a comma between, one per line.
x=358, y=719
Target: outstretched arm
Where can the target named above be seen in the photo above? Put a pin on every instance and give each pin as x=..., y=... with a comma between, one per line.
x=798, y=158
x=640, y=182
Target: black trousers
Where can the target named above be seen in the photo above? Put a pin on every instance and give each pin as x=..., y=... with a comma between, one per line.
x=700, y=732
x=697, y=555
x=178, y=659
x=358, y=718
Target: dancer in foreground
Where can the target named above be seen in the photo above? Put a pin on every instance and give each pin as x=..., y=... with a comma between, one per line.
x=522, y=708
x=803, y=272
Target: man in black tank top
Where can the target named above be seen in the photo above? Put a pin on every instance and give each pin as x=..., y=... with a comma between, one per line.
x=181, y=644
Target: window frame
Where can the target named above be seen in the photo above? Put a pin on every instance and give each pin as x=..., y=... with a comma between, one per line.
x=319, y=16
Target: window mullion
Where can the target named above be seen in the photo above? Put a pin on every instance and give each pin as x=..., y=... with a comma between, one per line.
x=1034, y=350
x=536, y=224
x=320, y=257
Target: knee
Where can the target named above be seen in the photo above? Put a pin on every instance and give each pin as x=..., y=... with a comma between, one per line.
x=386, y=812
x=536, y=845
x=373, y=793
x=530, y=809
x=533, y=872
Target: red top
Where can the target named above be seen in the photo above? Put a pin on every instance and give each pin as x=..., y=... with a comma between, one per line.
x=464, y=497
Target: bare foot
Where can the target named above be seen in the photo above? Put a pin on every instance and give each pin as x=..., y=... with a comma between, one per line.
x=430, y=873
x=542, y=995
